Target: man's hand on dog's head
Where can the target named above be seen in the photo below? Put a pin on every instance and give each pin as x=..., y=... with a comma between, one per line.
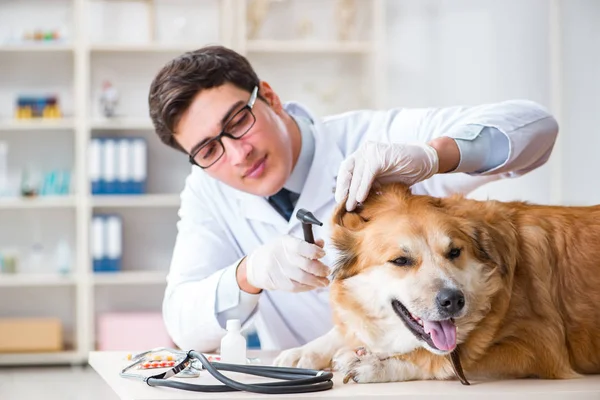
x=408, y=163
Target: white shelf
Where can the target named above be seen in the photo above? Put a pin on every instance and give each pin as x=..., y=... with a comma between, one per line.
x=299, y=46
x=36, y=47
x=141, y=48
x=122, y=124
x=37, y=125
x=61, y=357
x=41, y=280
x=41, y=202
x=130, y=278
x=145, y=200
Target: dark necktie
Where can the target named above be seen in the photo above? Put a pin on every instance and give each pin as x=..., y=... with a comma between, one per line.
x=282, y=201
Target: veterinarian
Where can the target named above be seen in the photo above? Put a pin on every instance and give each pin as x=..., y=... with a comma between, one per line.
x=239, y=252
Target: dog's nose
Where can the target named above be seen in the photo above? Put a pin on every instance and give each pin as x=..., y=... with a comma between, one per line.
x=450, y=302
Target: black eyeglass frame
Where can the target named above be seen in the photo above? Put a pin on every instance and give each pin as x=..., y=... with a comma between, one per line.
x=248, y=106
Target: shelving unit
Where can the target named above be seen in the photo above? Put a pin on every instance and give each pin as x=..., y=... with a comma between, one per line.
x=46, y=125
x=149, y=219
x=33, y=48
x=304, y=47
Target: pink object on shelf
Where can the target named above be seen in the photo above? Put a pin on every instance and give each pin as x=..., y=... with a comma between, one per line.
x=127, y=331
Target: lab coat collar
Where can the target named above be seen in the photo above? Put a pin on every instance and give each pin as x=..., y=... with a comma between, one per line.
x=319, y=187
x=297, y=179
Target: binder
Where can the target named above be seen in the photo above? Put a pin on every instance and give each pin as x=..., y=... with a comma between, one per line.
x=98, y=245
x=114, y=244
x=139, y=167
x=124, y=164
x=95, y=165
x=109, y=166
x=118, y=165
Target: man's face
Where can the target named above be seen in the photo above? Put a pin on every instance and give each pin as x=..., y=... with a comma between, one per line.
x=260, y=161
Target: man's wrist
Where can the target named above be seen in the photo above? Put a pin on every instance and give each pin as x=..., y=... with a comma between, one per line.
x=242, y=279
x=448, y=153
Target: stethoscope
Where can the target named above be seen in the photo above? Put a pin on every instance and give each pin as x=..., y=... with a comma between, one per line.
x=291, y=380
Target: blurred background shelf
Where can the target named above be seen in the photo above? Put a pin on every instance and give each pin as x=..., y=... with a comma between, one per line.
x=32, y=280
x=305, y=46
x=146, y=200
x=129, y=278
x=42, y=202
x=37, y=125
x=122, y=124
x=36, y=48
x=141, y=48
x=101, y=49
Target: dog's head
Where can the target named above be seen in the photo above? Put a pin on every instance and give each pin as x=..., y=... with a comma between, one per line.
x=426, y=268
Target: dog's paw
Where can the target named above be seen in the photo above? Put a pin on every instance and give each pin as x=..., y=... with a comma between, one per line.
x=302, y=357
x=361, y=366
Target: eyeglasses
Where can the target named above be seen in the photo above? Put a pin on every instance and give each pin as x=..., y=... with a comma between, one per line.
x=235, y=127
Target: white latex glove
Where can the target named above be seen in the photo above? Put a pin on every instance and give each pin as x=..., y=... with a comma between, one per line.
x=288, y=264
x=385, y=162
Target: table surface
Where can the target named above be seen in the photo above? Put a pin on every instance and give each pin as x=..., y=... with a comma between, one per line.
x=108, y=365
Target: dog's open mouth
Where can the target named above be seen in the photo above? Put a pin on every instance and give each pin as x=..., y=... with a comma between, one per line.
x=439, y=335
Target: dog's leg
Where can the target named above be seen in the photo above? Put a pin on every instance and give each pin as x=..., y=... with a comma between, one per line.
x=362, y=366
x=316, y=354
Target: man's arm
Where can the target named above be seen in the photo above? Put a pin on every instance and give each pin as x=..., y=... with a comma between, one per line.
x=495, y=141
x=448, y=153
x=202, y=290
x=421, y=146
x=515, y=136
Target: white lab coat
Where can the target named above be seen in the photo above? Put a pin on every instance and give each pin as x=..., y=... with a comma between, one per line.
x=219, y=225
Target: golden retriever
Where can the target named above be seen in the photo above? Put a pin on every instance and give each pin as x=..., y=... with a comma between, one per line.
x=510, y=289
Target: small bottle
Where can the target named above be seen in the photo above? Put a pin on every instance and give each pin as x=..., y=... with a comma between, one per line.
x=233, y=344
x=62, y=257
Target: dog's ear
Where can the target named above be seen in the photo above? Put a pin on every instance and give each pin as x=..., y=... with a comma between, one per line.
x=350, y=220
x=381, y=197
x=489, y=247
x=489, y=228
x=346, y=229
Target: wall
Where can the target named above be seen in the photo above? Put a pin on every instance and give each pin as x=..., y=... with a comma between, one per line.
x=581, y=101
x=444, y=53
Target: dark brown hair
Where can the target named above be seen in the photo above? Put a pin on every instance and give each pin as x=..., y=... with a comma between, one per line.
x=181, y=79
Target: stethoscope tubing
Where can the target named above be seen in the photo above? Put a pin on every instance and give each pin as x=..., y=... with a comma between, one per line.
x=294, y=380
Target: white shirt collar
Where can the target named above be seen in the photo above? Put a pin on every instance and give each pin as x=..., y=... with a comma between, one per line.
x=295, y=182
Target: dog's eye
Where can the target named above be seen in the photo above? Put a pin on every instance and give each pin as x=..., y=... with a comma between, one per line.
x=402, y=262
x=454, y=253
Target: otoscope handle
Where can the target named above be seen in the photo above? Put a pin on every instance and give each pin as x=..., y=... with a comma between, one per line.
x=308, y=233
x=308, y=219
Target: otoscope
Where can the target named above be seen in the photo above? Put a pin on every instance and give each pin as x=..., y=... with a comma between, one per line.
x=308, y=220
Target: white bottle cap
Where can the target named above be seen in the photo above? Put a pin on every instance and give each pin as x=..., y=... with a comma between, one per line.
x=234, y=325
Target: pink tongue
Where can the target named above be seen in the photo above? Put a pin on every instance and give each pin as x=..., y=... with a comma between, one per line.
x=443, y=333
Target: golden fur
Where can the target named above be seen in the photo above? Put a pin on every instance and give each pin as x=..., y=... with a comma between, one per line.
x=530, y=275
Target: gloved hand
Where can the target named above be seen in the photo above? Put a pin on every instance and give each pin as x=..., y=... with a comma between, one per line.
x=385, y=162
x=287, y=263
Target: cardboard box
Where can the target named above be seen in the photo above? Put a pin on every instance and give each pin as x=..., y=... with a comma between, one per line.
x=30, y=335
